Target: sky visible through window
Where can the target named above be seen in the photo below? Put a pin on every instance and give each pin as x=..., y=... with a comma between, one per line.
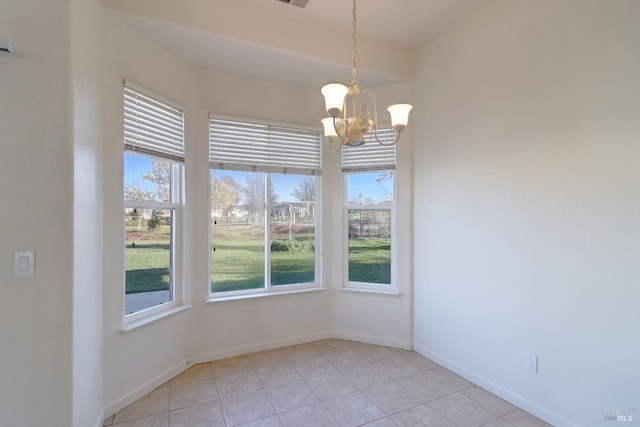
x=134, y=168
x=366, y=183
x=370, y=187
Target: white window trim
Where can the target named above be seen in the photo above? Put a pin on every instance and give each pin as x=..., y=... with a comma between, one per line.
x=387, y=292
x=268, y=289
x=152, y=317
x=143, y=317
x=177, y=271
x=371, y=158
x=380, y=288
x=234, y=297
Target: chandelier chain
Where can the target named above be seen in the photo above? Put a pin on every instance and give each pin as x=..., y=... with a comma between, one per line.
x=354, y=71
x=346, y=124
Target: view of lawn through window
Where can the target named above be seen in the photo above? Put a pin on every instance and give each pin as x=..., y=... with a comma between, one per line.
x=370, y=246
x=369, y=202
x=239, y=210
x=147, y=249
x=149, y=219
x=153, y=172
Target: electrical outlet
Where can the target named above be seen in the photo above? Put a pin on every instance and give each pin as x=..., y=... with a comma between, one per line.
x=274, y=313
x=532, y=363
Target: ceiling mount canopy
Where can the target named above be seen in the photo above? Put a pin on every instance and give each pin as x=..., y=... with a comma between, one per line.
x=346, y=124
x=299, y=3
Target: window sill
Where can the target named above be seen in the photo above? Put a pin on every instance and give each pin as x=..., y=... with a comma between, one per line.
x=261, y=295
x=391, y=293
x=130, y=326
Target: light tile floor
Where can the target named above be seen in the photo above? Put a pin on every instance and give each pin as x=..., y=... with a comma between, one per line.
x=324, y=383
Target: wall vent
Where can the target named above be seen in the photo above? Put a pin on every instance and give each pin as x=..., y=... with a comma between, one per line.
x=5, y=46
x=299, y=3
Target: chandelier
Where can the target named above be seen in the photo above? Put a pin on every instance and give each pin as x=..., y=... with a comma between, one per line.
x=345, y=124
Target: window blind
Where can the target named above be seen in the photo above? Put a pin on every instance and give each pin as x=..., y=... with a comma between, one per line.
x=152, y=126
x=241, y=145
x=371, y=156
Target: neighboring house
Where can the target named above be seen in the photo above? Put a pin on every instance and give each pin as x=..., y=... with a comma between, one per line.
x=283, y=210
x=238, y=212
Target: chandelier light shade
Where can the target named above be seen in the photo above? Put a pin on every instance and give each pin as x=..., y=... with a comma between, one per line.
x=349, y=119
x=334, y=94
x=399, y=115
x=329, y=129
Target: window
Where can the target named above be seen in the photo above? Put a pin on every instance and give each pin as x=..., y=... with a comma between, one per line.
x=369, y=204
x=265, y=186
x=153, y=171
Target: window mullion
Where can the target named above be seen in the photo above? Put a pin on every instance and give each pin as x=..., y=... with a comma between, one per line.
x=345, y=226
x=172, y=257
x=150, y=204
x=267, y=231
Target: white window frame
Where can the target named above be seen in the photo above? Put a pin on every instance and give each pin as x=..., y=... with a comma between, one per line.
x=172, y=152
x=269, y=168
x=369, y=158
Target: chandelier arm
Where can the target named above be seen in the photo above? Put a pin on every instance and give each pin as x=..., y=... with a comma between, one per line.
x=332, y=147
x=397, y=138
x=344, y=105
x=375, y=108
x=375, y=135
x=339, y=137
x=375, y=121
x=344, y=133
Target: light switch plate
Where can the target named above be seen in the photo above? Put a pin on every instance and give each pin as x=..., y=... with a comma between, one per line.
x=23, y=263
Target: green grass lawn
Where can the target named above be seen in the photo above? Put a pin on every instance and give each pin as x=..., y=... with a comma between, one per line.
x=147, y=266
x=370, y=260
x=147, y=258
x=238, y=261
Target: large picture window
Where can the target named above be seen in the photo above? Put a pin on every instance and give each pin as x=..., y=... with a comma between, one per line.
x=153, y=171
x=369, y=211
x=265, y=182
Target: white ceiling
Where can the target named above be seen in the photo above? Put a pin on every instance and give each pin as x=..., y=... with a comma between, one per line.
x=271, y=40
x=406, y=23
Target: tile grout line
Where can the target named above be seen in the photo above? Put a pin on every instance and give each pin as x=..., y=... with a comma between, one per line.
x=373, y=358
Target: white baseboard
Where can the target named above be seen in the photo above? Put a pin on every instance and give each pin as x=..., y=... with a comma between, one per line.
x=98, y=422
x=508, y=395
x=270, y=345
x=372, y=339
x=138, y=392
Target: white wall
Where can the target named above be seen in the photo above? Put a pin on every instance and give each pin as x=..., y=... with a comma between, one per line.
x=66, y=355
x=36, y=181
x=86, y=79
x=236, y=327
x=526, y=204
x=228, y=328
x=369, y=317
x=137, y=361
